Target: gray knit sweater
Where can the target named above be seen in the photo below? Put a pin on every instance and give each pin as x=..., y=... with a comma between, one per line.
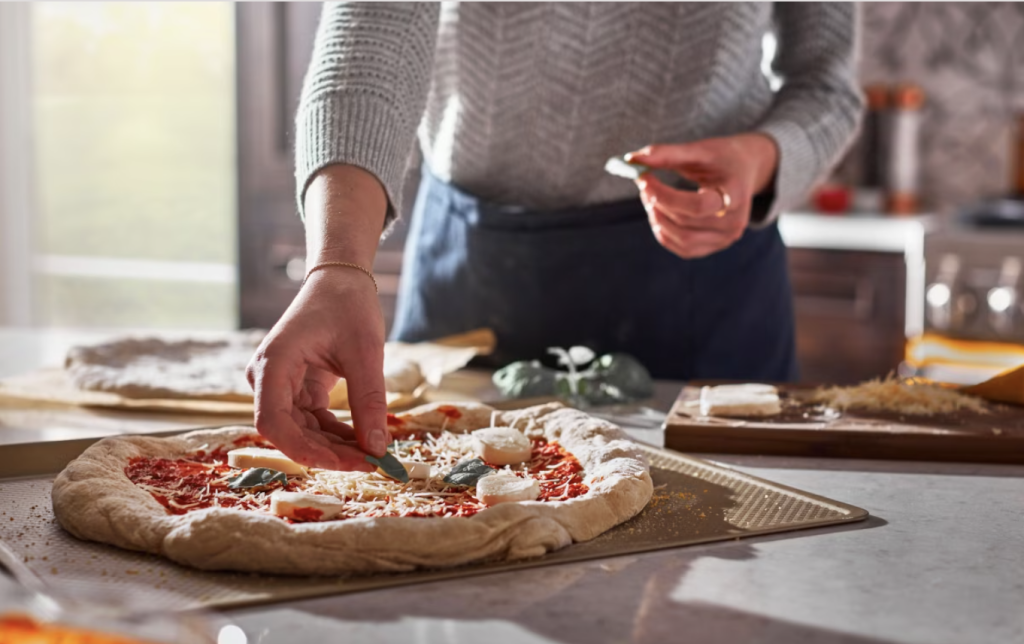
x=523, y=103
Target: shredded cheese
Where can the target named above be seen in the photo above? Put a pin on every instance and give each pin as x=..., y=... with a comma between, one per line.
x=914, y=396
x=365, y=495
x=372, y=495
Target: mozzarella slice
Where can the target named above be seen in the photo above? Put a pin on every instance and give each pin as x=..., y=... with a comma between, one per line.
x=506, y=488
x=262, y=457
x=740, y=400
x=415, y=469
x=292, y=505
x=747, y=388
x=502, y=445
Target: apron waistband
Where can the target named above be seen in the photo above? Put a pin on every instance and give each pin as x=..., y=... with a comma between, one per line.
x=478, y=212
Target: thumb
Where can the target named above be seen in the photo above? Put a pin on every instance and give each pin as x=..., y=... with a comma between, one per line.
x=670, y=155
x=368, y=402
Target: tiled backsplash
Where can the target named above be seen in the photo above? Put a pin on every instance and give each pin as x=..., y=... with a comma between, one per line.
x=969, y=59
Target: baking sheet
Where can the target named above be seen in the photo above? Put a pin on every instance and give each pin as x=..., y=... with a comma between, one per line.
x=695, y=501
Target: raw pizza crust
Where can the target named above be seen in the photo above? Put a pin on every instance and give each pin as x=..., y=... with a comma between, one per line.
x=160, y=368
x=401, y=375
x=94, y=500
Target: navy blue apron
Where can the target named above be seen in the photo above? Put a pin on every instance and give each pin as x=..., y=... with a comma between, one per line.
x=594, y=276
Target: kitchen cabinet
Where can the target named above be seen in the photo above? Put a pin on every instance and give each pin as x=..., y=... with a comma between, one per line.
x=274, y=44
x=858, y=292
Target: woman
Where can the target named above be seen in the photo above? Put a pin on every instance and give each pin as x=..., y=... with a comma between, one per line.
x=516, y=226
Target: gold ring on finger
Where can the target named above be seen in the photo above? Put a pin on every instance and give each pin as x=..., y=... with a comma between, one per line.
x=726, y=201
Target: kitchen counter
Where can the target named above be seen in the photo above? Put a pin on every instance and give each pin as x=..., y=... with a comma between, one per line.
x=940, y=560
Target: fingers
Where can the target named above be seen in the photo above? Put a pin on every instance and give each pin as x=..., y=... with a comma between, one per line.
x=689, y=243
x=342, y=441
x=682, y=204
x=330, y=424
x=352, y=457
x=685, y=222
x=276, y=383
x=672, y=155
x=364, y=376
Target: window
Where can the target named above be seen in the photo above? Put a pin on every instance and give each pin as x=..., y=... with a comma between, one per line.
x=132, y=110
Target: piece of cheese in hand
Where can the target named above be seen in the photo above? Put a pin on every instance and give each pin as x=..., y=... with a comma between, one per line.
x=263, y=457
x=415, y=469
x=740, y=400
x=506, y=488
x=305, y=506
x=502, y=445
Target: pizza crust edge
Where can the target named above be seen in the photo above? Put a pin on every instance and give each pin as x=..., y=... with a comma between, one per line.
x=94, y=500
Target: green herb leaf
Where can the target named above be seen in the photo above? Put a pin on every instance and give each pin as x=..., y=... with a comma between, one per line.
x=257, y=477
x=392, y=466
x=468, y=472
x=622, y=168
x=581, y=355
x=563, y=356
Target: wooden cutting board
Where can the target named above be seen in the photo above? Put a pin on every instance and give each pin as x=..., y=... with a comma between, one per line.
x=804, y=429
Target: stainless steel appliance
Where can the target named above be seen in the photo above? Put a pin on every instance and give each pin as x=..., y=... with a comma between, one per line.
x=974, y=298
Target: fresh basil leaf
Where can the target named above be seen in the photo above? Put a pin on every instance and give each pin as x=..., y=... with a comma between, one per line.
x=257, y=477
x=619, y=167
x=564, y=359
x=581, y=355
x=468, y=472
x=525, y=380
x=392, y=466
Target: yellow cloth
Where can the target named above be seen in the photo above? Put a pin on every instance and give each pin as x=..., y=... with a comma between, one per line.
x=1007, y=387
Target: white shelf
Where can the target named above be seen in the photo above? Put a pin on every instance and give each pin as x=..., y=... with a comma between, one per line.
x=855, y=232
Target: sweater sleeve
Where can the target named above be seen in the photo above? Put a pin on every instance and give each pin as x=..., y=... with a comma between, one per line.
x=365, y=91
x=818, y=108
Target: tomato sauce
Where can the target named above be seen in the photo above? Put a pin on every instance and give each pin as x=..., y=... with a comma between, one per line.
x=18, y=628
x=559, y=472
x=202, y=481
x=449, y=411
x=307, y=514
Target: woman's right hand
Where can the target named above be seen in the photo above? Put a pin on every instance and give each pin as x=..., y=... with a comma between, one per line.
x=333, y=329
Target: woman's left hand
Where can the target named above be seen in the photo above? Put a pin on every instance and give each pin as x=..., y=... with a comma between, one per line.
x=729, y=170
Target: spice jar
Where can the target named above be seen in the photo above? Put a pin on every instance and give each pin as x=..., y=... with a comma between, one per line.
x=902, y=168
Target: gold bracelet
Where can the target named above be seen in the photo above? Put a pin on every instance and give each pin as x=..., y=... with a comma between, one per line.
x=346, y=265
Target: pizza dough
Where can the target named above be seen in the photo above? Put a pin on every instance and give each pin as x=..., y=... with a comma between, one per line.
x=152, y=368
x=93, y=499
x=401, y=375
x=160, y=368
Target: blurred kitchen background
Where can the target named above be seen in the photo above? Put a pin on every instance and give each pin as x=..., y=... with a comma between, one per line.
x=146, y=182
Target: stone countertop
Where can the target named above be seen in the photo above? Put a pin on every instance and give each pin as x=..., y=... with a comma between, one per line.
x=940, y=560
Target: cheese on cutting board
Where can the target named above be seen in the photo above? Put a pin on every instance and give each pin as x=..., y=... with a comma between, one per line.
x=740, y=400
